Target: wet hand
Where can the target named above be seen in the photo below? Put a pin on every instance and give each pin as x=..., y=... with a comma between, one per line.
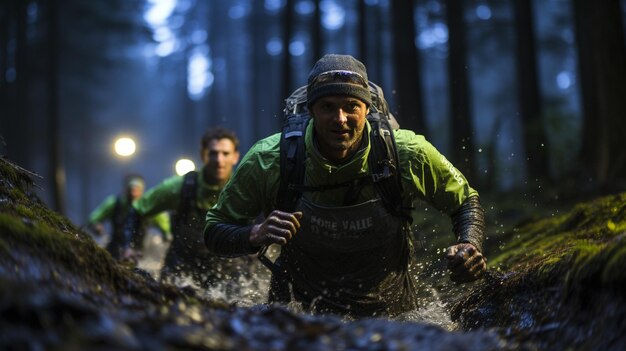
x=278, y=228
x=465, y=262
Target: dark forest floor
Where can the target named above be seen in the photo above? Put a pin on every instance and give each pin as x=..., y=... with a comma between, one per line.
x=556, y=281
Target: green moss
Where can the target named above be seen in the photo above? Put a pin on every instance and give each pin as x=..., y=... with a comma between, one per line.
x=43, y=246
x=82, y=259
x=11, y=173
x=15, y=194
x=583, y=246
x=616, y=227
x=24, y=211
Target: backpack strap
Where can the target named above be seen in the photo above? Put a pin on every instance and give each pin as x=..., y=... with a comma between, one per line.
x=292, y=150
x=187, y=196
x=384, y=163
x=292, y=154
x=126, y=226
x=118, y=216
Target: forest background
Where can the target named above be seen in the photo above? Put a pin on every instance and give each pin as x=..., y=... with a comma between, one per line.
x=524, y=97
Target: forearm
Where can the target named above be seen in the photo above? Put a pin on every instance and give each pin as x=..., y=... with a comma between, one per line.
x=468, y=223
x=103, y=212
x=229, y=240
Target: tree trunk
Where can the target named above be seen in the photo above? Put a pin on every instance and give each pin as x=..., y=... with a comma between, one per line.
x=55, y=148
x=287, y=34
x=408, y=82
x=16, y=121
x=363, y=32
x=602, y=66
x=217, y=39
x=188, y=119
x=4, y=42
x=529, y=102
x=316, y=33
x=374, y=23
x=461, y=125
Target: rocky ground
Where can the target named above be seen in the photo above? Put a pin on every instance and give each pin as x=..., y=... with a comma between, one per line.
x=555, y=283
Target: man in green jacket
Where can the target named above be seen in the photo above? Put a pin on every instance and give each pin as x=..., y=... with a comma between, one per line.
x=114, y=208
x=189, y=197
x=348, y=257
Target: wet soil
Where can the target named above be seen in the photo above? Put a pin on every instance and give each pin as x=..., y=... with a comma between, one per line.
x=555, y=283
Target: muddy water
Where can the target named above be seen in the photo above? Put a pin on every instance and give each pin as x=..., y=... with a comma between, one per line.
x=45, y=307
x=263, y=327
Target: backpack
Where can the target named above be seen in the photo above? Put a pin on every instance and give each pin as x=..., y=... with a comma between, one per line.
x=383, y=157
x=187, y=199
x=118, y=215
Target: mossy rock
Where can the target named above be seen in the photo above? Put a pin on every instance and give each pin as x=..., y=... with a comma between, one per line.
x=584, y=245
x=31, y=232
x=556, y=277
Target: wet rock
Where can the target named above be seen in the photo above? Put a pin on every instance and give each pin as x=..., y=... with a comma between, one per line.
x=557, y=284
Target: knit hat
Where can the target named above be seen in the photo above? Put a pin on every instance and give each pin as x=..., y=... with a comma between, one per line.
x=134, y=180
x=338, y=75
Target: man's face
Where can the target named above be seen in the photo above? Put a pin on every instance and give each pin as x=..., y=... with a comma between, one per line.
x=220, y=158
x=135, y=192
x=339, y=122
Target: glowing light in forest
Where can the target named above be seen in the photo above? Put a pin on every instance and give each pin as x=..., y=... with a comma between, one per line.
x=297, y=48
x=238, y=11
x=199, y=36
x=333, y=15
x=274, y=5
x=564, y=80
x=483, y=12
x=274, y=47
x=124, y=146
x=435, y=35
x=199, y=75
x=166, y=48
x=159, y=11
x=305, y=7
x=184, y=165
x=162, y=34
x=157, y=16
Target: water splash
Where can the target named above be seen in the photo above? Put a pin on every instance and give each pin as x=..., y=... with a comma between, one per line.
x=432, y=310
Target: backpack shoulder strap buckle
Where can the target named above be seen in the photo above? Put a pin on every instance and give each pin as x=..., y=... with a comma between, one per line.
x=386, y=173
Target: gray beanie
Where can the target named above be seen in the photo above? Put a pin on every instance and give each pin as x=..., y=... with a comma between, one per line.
x=333, y=62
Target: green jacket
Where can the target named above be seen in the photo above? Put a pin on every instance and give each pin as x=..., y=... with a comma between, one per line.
x=106, y=211
x=187, y=255
x=426, y=175
x=167, y=196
